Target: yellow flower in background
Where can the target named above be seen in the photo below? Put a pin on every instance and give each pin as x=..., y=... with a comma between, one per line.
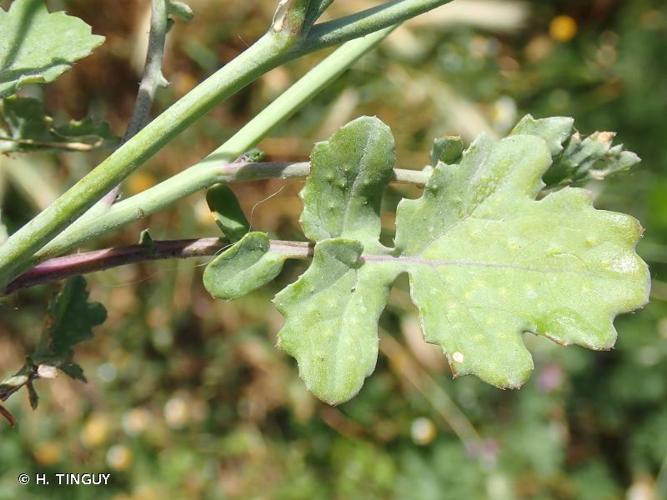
x=563, y=28
x=95, y=431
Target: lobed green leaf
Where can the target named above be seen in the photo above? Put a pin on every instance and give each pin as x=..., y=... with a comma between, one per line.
x=349, y=173
x=487, y=262
x=37, y=46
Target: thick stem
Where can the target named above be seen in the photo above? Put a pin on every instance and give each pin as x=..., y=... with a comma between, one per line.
x=268, y=52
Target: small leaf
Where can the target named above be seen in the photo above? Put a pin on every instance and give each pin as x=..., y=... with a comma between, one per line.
x=28, y=128
x=32, y=396
x=349, y=172
x=37, y=46
x=179, y=9
x=71, y=320
x=244, y=267
x=73, y=371
x=446, y=150
x=227, y=212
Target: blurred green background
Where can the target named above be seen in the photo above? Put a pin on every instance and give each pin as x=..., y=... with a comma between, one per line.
x=188, y=398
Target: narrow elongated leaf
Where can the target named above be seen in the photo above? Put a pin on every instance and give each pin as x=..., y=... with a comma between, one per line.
x=227, y=212
x=243, y=267
x=37, y=46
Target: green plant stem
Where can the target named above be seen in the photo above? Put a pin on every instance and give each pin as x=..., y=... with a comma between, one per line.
x=268, y=52
x=152, y=77
x=151, y=80
x=295, y=97
x=15, y=254
x=196, y=178
x=206, y=173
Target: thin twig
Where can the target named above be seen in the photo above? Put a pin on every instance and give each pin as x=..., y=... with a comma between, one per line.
x=189, y=181
x=151, y=80
x=99, y=260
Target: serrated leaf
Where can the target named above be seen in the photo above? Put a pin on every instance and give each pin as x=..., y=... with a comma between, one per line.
x=343, y=193
x=227, y=212
x=29, y=128
x=486, y=261
x=243, y=267
x=37, y=46
x=71, y=320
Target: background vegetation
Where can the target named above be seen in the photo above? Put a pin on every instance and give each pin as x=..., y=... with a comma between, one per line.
x=188, y=398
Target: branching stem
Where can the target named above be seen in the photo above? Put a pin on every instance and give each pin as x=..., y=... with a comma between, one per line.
x=273, y=49
x=190, y=181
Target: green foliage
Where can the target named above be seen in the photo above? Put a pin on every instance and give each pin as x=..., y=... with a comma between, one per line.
x=487, y=262
x=37, y=46
x=343, y=193
x=227, y=212
x=242, y=268
x=28, y=128
x=70, y=321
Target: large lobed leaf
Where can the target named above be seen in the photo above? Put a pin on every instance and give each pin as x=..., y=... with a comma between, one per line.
x=37, y=46
x=487, y=262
